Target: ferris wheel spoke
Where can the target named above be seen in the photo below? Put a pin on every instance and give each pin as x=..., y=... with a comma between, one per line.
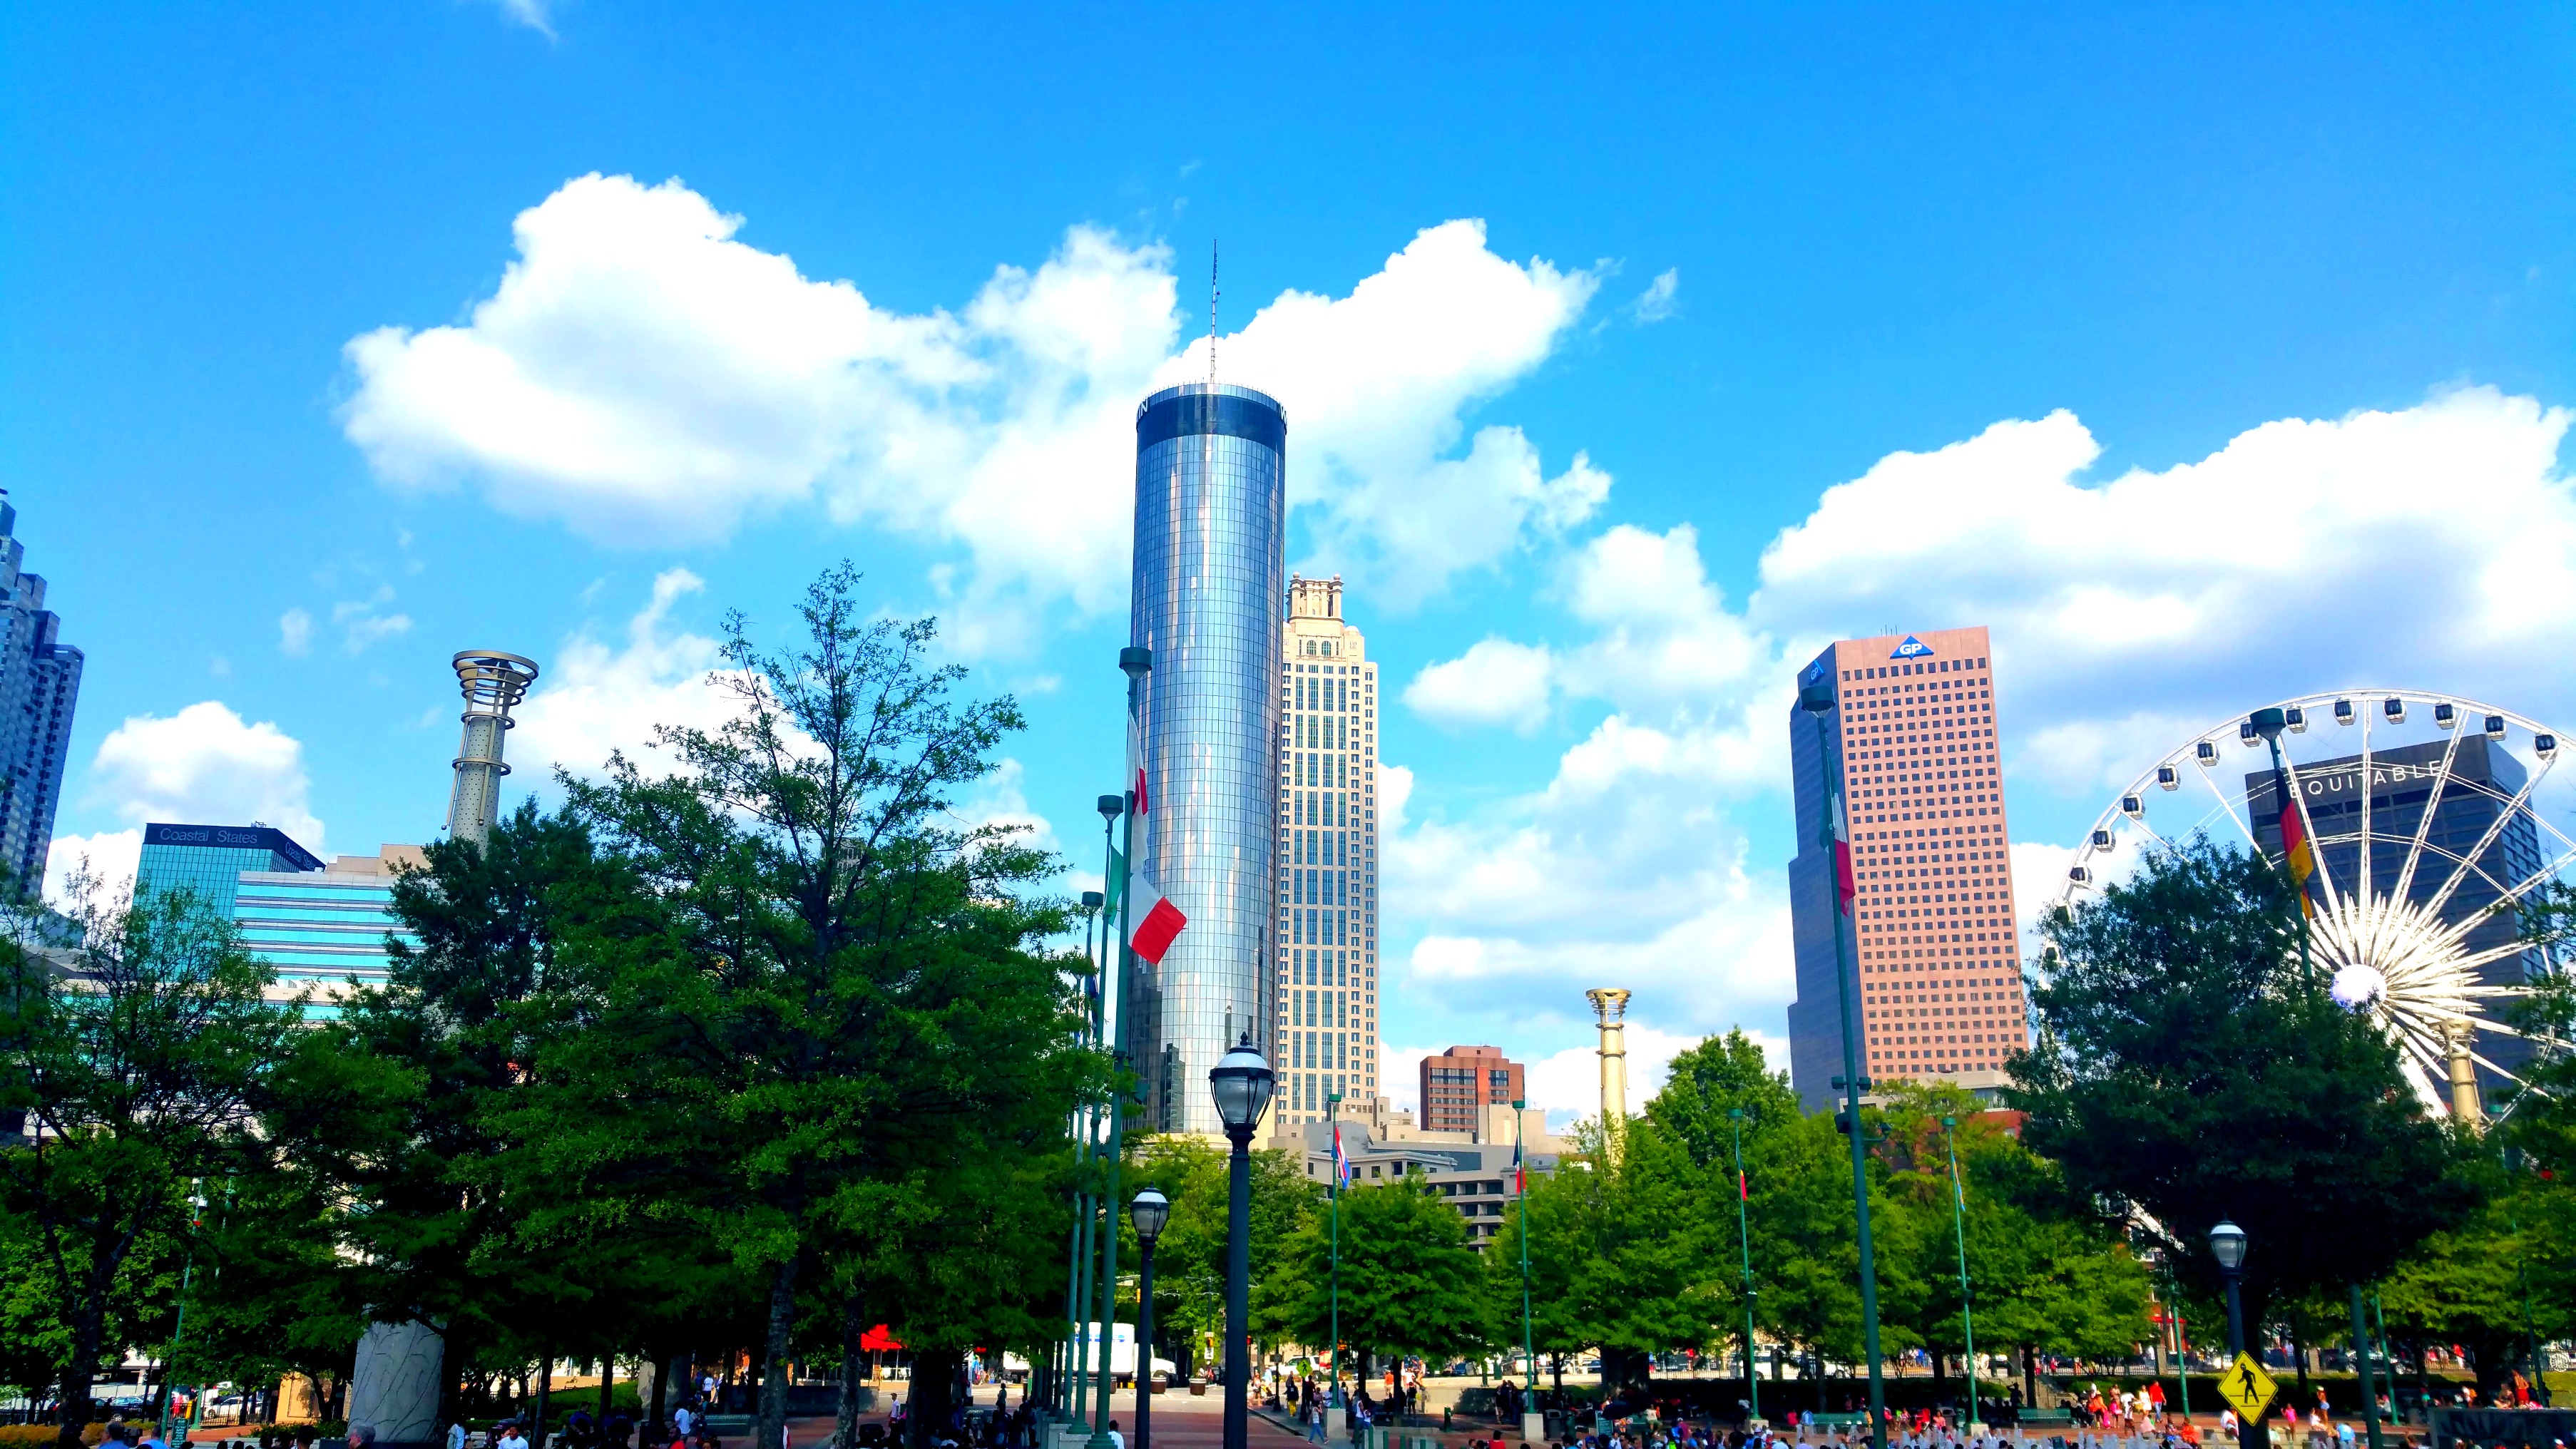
x=2520, y=803
x=2243, y=827
x=2363, y=883
x=2424, y=824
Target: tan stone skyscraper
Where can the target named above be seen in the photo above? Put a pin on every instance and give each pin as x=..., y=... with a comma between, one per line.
x=1324, y=1036
x=1931, y=943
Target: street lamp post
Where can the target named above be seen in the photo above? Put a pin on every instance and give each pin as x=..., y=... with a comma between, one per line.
x=2227, y=1245
x=1816, y=697
x=1959, y=1215
x=1533, y=1424
x=1333, y=1192
x=1744, y=1240
x=1241, y=1083
x=1148, y=1212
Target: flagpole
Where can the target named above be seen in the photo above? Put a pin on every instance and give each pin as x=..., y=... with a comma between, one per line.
x=1111, y=807
x=1816, y=696
x=1136, y=663
x=2269, y=723
x=1744, y=1239
x=1059, y=1392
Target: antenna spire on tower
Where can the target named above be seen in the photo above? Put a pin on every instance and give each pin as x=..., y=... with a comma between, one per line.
x=1212, y=296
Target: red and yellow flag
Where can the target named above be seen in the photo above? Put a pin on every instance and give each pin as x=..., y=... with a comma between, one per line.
x=2296, y=854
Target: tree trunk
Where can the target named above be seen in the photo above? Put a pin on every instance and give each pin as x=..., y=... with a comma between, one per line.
x=2299, y=1357
x=655, y=1415
x=545, y=1387
x=926, y=1410
x=854, y=1367
x=80, y=1373
x=2030, y=1375
x=773, y=1376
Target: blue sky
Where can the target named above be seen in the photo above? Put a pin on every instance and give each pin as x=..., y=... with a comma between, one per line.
x=2208, y=357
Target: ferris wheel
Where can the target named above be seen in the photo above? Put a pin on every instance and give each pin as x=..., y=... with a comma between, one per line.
x=2418, y=877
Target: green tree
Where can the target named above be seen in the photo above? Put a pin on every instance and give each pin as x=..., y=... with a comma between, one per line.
x=2484, y=1284
x=1189, y=1260
x=1558, y=1224
x=2048, y=1272
x=1409, y=1281
x=2187, y=1068
x=861, y=997
x=140, y=1061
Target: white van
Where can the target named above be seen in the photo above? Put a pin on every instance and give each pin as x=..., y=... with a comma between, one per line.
x=1122, y=1355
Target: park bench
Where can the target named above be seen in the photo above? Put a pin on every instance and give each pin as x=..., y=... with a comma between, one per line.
x=1839, y=1423
x=2058, y=1418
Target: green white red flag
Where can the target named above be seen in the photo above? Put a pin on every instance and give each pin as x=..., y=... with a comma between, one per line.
x=1156, y=921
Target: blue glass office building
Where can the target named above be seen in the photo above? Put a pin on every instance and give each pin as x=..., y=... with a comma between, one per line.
x=1210, y=571
x=320, y=929
x=208, y=860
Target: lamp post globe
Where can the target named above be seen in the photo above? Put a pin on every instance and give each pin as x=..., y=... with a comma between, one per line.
x=1148, y=1210
x=2227, y=1245
x=1241, y=1082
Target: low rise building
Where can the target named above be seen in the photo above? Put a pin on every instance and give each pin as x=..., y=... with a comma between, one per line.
x=1472, y=1170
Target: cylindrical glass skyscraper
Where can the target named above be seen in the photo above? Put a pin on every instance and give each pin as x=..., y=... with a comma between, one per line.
x=1211, y=568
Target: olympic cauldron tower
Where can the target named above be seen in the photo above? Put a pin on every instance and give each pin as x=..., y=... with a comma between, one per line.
x=1210, y=570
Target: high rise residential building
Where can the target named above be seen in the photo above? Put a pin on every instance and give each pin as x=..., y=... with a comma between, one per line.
x=1460, y=1083
x=1929, y=955
x=208, y=860
x=1324, y=1022
x=1210, y=562
x=39, y=685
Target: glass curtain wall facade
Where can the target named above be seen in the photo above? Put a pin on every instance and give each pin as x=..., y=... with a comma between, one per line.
x=1324, y=1022
x=208, y=860
x=1931, y=953
x=1210, y=566
x=321, y=929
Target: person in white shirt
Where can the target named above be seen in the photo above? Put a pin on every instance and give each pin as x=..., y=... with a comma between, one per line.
x=456, y=1435
x=1116, y=1439
x=511, y=1438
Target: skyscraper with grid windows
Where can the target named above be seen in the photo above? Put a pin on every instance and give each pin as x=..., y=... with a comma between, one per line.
x=1324, y=1036
x=40, y=678
x=1929, y=953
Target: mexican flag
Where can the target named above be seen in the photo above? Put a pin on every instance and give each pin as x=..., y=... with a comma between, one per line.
x=1846, y=885
x=1157, y=922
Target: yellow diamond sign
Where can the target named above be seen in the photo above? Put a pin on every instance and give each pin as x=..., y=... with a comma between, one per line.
x=2247, y=1389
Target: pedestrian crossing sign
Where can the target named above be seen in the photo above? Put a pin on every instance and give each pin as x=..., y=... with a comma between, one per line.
x=2247, y=1389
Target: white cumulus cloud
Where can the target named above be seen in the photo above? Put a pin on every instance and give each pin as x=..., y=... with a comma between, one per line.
x=1660, y=300
x=109, y=858
x=204, y=765
x=1494, y=682
x=646, y=377
x=595, y=698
